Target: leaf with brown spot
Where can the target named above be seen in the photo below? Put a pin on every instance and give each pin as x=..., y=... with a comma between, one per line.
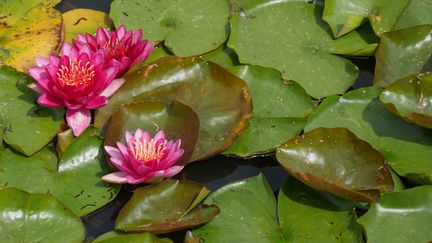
x=151, y=208
x=411, y=99
x=84, y=21
x=335, y=160
x=12, y=10
x=220, y=99
x=37, y=34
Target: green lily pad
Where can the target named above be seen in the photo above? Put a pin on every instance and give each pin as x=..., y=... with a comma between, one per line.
x=24, y=126
x=248, y=214
x=151, y=208
x=396, y=58
x=406, y=147
x=308, y=215
x=12, y=11
x=344, y=16
x=335, y=160
x=224, y=56
x=360, y=42
x=404, y=216
x=411, y=99
x=76, y=182
x=177, y=120
x=29, y=217
x=115, y=237
x=37, y=33
x=189, y=27
x=276, y=117
x=220, y=99
x=291, y=38
x=83, y=21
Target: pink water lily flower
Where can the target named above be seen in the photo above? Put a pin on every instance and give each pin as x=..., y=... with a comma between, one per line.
x=125, y=46
x=79, y=80
x=144, y=158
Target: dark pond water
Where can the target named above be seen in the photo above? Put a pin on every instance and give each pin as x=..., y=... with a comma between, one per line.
x=213, y=173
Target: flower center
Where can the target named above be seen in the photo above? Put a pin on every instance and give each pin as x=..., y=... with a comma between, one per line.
x=147, y=151
x=76, y=74
x=115, y=49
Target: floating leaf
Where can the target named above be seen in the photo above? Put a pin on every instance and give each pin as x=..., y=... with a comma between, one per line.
x=224, y=56
x=189, y=27
x=308, y=215
x=29, y=217
x=248, y=214
x=404, y=216
x=360, y=42
x=37, y=34
x=411, y=99
x=396, y=58
x=166, y=207
x=82, y=21
x=177, y=120
x=115, y=237
x=344, y=16
x=335, y=160
x=292, y=40
x=276, y=117
x=220, y=99
x=76, y=183
x=406, y=147
x=24, y=126
x=12, y=11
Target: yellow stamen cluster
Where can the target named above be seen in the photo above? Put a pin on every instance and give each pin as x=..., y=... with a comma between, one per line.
x=76, y=74
x=147, y=150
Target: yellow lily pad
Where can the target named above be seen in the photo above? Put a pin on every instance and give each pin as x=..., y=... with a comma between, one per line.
x=84, y=21
x=11, y=11
x=36, y=34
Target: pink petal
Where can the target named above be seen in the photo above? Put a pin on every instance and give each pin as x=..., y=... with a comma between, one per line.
x=69, y=50
x=123, y=149
x=173, y=156
x=134, y=180
x=172, y=171
x=113, y=87
x=92, y=41
x=38, y=73
x=116, y=177
x=82, y=38
x=55, y=60
x=36, y=88
x=85, y=49
x=139, y=135
x=49, y=101
x=144, y=54
x=78, y=120
x=97, y=102
x=42, y=61
x=129, y=139
x=113, y=152
x=159, y=135
x=137, y=36
x=101, y=37
x=122, y=165
x=121, y=31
